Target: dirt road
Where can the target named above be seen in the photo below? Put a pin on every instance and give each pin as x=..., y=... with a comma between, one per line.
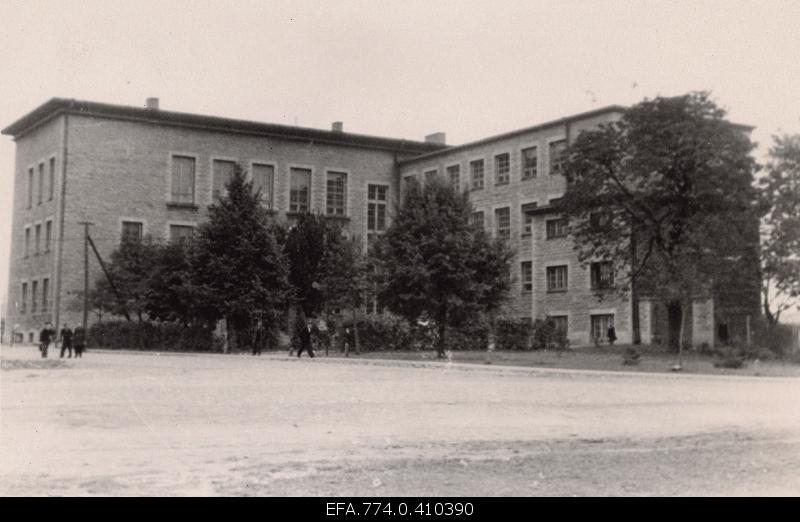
x=147, y=424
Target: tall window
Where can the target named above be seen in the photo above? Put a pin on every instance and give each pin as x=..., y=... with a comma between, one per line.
x=41, y=182
x=182, y=186
x=454, y=175
x=430, y=176
x=557, y=149
x=530, y=161
x=502, y=168
x=48, y=235
x=132, y=230
x=38, y=239
x=300, y=190
x=52, y=183
x=557, y=278
x=376, y=211
x=26, y=250
x=30, y=187
x=526, y=270
x=477, y=219
x=222, y=176
x=34, y=291
x=556, y=228
x=476, y=173
x=45, y=293
x=600, y=325
x=336, y=200
x=178, y=233
x=560, y=322
x=602, y=275
x=24, y=304
x=263, y=180
x=502, y=219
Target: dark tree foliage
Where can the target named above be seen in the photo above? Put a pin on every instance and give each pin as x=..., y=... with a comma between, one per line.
x=238, y=270
x=171, y=295
x=780, y=195
x=433, y=262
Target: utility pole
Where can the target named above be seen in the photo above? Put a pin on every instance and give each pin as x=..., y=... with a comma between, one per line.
x=86, y=225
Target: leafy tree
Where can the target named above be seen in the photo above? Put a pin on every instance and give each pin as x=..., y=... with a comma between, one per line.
x=238, y=270
x=171, y=295
x=432, y=261
x=780, y=194
x=666, y=194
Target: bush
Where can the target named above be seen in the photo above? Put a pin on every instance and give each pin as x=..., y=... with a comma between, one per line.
x=778, y=338
x=731, y=358
x=513, y=333
x=547, y=337
x=171, y=337
x=471, y=336
x=631, y=357
x=382, y=333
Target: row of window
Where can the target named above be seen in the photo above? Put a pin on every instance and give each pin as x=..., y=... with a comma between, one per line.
x=599, y=324
x=555, y=228
x=601, y=277
x=35, y=289
x=27, y=249
x=46, y=183
x=529, y=161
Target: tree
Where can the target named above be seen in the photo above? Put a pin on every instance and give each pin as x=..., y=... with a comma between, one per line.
x=666, y=194
x=780, y=196
x=306, y=244
x=238, y=270
x=171, y=296
x=432, y=261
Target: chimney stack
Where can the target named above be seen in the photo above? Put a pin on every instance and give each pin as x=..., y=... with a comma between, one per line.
x=337, y=126
x=436, y=137
x=151, y=103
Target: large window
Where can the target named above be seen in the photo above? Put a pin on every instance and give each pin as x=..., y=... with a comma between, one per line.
x=529, y=163
x=602, y=274
x=557, y=149
x=454, y=175
x=600, y=325
x=376, y=210
x=30, y=187
x=178, y=233
x=38, y=239
x=502, y=168
x=557, y=278
x=52, y=184
x=45, y=293
x=299, y=190
x=526, y=271
x=477, y=219
x=41, y=182
x=23, y=306
x=527, y=222
x=476, y=173
x=502, y=220
x=263, y=180
x=336, y=199
x=182, y=183
x=34, y=298
x=222, y=176
x=26, y=249
x=556, y=228
x=48, y=235
x=132, y=230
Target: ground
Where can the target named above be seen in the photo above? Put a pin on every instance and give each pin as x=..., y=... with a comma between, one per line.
x=149, y=424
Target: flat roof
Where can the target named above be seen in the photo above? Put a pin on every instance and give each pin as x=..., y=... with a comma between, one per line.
x=57, y=106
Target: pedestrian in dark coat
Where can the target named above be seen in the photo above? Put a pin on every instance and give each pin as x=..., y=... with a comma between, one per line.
x=612, y=334
x=304, y=336
x=79, y=340
x=66, y=341
x=46, y=337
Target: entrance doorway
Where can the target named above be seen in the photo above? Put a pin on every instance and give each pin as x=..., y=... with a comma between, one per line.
x=673, y=325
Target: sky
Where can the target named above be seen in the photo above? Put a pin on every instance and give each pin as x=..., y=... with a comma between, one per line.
x=398, y=68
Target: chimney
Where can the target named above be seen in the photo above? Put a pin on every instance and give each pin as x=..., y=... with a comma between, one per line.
x=151, y=103
x=337, y=126
x=436, y=137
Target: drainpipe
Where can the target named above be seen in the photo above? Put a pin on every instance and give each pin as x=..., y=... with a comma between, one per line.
x=61, y=211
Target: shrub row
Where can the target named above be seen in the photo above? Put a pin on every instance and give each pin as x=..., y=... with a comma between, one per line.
x=118, y=335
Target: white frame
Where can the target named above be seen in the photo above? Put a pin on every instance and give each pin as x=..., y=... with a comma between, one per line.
x=460, y=173
x=347, y=191
x=388, y=186
x=170, y=223
x=211, y=160
x=132, y=219
x=521, y=169
x=266, y=163
x=288, y=194
x=196, y=157
x=548, y=142
x=469, y=168
x=494, y=167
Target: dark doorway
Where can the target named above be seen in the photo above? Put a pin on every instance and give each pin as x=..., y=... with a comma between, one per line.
x=674, y=325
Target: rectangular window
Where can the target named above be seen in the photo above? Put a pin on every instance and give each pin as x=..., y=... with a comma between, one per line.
x=559, y=322
x=502, y=168
x=30, y=187
x=132, y=230
x=557, y=278
x=477, y=219
x=557, y=149
x=530, y=162
x=476, y=173
x=37, y=239
x=376, y=210
x=300, y=190
x=431, y=175
x=179, y=233
x=454, y=175
x=222, y=172
x=527, y=220
x=263, y=180
x=556, y=228
x=26, y=250
x=602, y=275
x=41, y=182
x=34, y=291
x=45, y=293
x=52, y=184
x=182, y=185
x=336, y=204
x=600, y=325
x=502, y=220
x=24, y=304
x=526, y=271
x=48, y=235
x=408, y=180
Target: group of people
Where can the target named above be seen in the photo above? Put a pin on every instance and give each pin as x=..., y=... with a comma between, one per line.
x=68, y=338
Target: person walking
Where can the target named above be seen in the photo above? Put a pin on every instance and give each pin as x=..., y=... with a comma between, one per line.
x=46, y=337
x=304, y=336
x=65, y=337
x=79, y=340
x=612, y=335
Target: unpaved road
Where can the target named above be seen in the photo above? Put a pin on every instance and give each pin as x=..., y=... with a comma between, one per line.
x=147, y=424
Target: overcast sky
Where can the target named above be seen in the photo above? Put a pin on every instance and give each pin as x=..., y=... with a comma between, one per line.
x=397, y=68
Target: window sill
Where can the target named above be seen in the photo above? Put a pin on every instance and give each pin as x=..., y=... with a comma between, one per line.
x=182, y=206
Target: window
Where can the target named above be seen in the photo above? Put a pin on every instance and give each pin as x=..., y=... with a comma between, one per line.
x=602, y=275
x=38, y=239
x=454, y=175
x=502, y=219
x=529, y=163
x=300, y=190
x=132, y=230
x=52, y=183
x=30, y=187
x=557, y=278
x=502, y=168
x=34, y=290
x=263, y=180
x=557, y=149
x=222, y=172
x=24, y=304
x=408, y=180
x=26, y=250
x=600, y=325
x=476, y=172
x=376, y=211
x=337, y=194
x=178, y=233
x=559, y=322
x=556, y=228
x=477, y=219
x=41, y=182
x=430, y=176
x=527, y=223
x=45, y=293
x=182, y=187
x=48, y=235
x=526, y=270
